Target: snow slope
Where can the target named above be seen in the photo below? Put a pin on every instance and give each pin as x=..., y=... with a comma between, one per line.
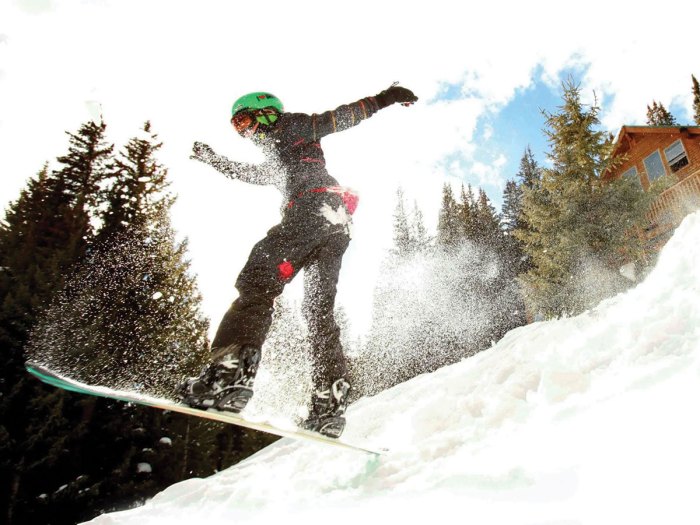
x=591, y=419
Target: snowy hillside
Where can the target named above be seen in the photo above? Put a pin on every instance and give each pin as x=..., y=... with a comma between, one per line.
x=592, y=419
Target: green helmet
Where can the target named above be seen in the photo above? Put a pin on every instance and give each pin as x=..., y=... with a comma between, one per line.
x=258, y=100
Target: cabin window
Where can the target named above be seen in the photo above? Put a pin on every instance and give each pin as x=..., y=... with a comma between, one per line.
x=676, y=156
x=632, y=174
x=654, y=166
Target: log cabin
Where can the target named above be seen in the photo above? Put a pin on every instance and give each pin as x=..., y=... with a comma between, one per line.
x=651, y=152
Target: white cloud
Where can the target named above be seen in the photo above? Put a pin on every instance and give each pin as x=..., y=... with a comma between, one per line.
x=489, y=174
x=182, y=64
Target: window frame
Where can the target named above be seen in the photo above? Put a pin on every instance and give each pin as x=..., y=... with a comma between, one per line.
x=661, y=162
x=678, y=158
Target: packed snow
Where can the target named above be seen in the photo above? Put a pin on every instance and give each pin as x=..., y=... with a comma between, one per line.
x=589, y=419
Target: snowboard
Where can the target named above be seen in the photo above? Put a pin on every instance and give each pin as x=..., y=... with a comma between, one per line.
x=71, y=385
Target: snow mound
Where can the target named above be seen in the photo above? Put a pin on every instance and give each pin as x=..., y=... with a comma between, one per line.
x=589, y=419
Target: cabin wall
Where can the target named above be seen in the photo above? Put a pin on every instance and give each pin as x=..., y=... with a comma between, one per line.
x=643, y=145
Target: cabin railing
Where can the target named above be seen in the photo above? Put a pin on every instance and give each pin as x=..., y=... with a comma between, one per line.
x=669, y=209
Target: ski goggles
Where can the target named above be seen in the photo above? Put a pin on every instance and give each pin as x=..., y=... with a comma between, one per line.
x=244, y=120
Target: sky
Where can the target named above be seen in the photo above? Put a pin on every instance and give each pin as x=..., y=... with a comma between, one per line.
x=483, y=72
x=587, y=420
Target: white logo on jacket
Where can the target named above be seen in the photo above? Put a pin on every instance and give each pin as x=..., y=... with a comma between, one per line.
x=338, y=217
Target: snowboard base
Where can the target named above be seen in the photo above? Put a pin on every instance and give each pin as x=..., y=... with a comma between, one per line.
x=65, y=383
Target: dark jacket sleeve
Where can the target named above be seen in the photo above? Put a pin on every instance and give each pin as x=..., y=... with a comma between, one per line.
x=264, y=174
x=313, y=127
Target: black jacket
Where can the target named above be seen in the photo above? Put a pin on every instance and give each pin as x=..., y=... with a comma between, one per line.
x=295, y=163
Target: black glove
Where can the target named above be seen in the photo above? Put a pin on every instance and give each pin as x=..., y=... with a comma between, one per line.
x=202, y=152
x=396, y=94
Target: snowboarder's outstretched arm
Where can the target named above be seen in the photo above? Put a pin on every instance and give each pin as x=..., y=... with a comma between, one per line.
x=313, y=127
x=251, y=173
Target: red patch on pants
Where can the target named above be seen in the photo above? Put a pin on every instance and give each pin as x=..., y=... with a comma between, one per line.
x=285, y=270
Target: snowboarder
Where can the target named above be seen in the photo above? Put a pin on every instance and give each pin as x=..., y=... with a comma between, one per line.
x=313, y=235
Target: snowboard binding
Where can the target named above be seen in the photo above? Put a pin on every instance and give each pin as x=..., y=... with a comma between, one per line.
x=327, y=410
x=225, y=384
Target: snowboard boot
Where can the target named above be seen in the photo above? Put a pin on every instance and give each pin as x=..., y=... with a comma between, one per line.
x=327, y=410
x=226, y=383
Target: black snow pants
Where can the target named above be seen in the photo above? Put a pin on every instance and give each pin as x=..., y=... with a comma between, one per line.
x=313, y=235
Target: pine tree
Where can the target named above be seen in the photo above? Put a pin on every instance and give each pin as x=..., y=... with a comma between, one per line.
x=449, y=232
x=137, y=194
x=658, y=115
x=511, y=220
x=409, y=233
x=128, y=318
x=85, y=170
x=576, y=220
x=137, y=322
x=696, y=100
x=512, y=216
x=529, y=173
x=512, y=207
x=487, y=223
x=65, y=458
x=42, y=239
x=457, y=301
x=515, y=258
x=403, y=237
x=467, y=214
x=421, y=239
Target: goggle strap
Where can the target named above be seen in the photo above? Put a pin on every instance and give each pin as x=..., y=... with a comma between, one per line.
x=265, y=113
x=258, y=116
